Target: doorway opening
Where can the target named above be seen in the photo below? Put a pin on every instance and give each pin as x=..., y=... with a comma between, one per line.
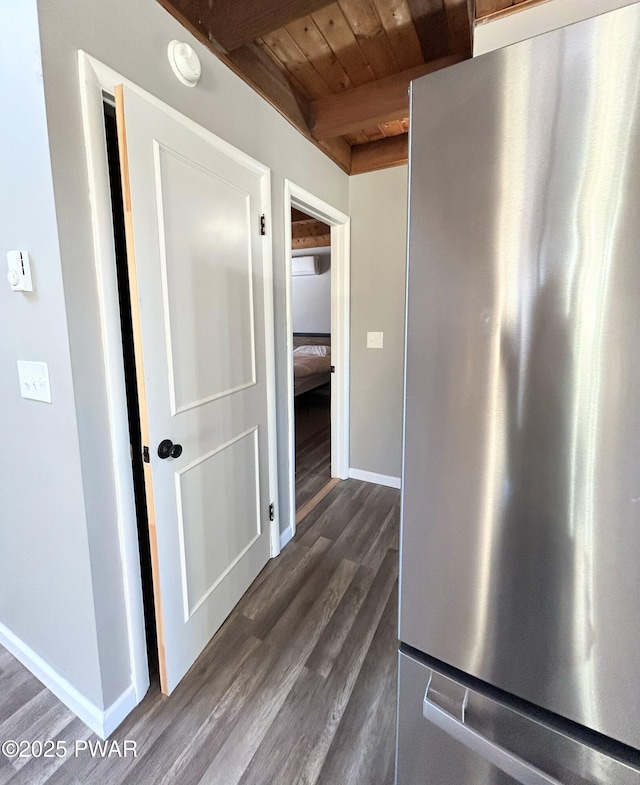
x=318, y=408
x=131, y=386
x=311, y=341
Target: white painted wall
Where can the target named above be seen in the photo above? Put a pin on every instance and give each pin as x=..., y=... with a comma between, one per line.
x=311, y=300
x=536, y=20
x=46, y=590
x=378, y=209
x=62, y=588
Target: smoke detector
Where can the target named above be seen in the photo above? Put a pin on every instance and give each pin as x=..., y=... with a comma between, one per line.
x=184, y=63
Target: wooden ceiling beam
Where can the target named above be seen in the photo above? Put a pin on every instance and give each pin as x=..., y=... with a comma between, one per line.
x=255, y=66
x=235, y=23
x=252, y=64
x=461, y=21
x=339, y=150
x=380, y=155
x=430, y=20
x=317, y=241
x=309, y=227
x=326, y=120
x=371, y=104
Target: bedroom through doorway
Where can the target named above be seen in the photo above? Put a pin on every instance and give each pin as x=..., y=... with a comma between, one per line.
x=316, y=228
x=312, y=365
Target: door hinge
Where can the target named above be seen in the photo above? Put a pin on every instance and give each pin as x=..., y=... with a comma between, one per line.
x=333, y=369
x=145, y=454
x=263, y=225
x=272, y=512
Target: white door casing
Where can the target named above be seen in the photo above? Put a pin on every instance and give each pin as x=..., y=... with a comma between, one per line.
x=295, y=196
x=202, y=330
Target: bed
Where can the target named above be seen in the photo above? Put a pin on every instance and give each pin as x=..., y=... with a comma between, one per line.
x=311, y=361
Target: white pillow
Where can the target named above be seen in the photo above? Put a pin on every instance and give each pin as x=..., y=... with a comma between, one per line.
x=317, y=351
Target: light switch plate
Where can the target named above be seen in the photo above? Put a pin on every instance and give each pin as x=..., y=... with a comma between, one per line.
x=375, y=340
x=34, y=381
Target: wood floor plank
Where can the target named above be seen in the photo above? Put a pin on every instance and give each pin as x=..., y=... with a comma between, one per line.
x=18, y=725
x=293, y=606
x=16, y=693
x=235, y=703
x=47, y=725
x=313, y=447
x=297, y=686
x=229, y=765
x=281, y=755
x=316, y=499
x=339, y=647
x=386, y=538
x=293, y=749
x=10, y=666
x=346, y=669
x=26, y=724
x=267, y=678
x=344, y=503
x=282, y=563
x=278, y=592
x=176, y=746
x=319, y=510
x=37, y=771
x=367, y=720
x=335, y=633
x=354, y=541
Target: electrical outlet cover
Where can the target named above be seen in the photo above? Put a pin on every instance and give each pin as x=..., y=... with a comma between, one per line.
x=375, y=340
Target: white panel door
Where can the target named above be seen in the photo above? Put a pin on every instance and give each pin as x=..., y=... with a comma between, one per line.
x=198, y=271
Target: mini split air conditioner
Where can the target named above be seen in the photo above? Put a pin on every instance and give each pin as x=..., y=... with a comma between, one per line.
x=305, y=265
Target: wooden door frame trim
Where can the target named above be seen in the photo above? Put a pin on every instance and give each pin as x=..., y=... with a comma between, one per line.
x=295, y=196
x=96, y=79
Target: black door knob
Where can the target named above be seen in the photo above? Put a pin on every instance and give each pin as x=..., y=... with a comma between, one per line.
x=167, y=449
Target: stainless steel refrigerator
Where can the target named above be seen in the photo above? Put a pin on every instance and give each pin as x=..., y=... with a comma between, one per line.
x=520, y=552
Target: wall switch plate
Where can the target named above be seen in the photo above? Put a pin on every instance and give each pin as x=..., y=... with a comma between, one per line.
x=374, y=340
x=19, y=274
x=34, y=381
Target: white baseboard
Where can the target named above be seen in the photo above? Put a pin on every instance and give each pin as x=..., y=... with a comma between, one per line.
x=116, y=713
x=286, y=536
x=101, y=721
x=378, y=479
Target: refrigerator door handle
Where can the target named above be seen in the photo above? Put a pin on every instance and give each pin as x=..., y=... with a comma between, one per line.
x=503, y=759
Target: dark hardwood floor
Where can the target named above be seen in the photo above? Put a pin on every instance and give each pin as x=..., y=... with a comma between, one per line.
x=313, y=445
x=298, y=686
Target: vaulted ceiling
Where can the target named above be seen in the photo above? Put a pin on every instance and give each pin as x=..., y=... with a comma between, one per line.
x=339, y=72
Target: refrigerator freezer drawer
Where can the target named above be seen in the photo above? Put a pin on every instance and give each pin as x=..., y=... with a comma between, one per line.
x=450, y=734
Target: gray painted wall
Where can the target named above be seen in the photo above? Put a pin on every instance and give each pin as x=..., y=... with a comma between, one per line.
x=46, y=591
x=378, y=210
x=132, y=39
x=311, y=300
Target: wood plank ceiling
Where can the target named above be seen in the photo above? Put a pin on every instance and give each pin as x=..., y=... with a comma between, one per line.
x=339, y=72
x=489, y=9
x=308, y=232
